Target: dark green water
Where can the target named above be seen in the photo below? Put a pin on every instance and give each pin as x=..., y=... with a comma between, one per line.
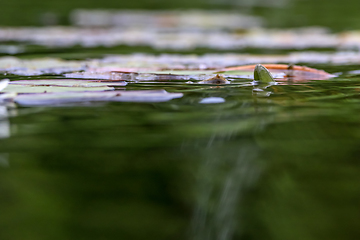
x=280, y=167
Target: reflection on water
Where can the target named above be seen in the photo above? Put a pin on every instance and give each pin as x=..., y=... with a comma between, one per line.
x=4, y=123
x=4, y=133
x=229, y=167
x=222, y=181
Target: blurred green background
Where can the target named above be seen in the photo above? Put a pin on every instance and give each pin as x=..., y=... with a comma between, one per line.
x=277, y=13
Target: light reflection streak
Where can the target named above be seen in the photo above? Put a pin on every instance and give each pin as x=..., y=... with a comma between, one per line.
x=223, y=177
x=4, y=123
x=4, y=133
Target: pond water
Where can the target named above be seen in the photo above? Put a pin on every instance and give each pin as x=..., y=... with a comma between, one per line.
x=283, y=166
x=217, y=162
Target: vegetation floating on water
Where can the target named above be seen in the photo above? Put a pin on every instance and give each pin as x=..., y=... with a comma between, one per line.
x=42, y=91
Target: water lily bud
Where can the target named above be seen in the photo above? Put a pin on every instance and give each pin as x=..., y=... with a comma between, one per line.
x=262, y=75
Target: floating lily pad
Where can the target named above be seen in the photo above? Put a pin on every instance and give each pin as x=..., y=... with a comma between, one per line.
x=290, y=72
x=239, y=73
x=61, y=85
x=279, y=71
x=53, y=99
x=68, y=83
x=180, y=72
x=48, y=89
x=171, y=66
x=179, y=38
x=99, y=75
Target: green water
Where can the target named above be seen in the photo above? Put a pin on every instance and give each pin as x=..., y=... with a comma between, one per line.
x=282, y=167
x=278, y=167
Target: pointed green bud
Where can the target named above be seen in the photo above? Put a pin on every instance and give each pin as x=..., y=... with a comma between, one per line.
x=262, y=75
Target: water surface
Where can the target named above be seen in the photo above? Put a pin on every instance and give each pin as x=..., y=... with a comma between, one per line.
x=249, y=167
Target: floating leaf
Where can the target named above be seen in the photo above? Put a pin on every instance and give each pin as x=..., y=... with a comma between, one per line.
x=174, y=19
x=180, y=72
x=167, y=66
x=46, y=99
x=49, y=89
x=179, y=38
x=68, y=83
x=162, y=67
x=237, y=73
x=32, y=67
x=113, y=76
x=292, y=72
x=61, y=85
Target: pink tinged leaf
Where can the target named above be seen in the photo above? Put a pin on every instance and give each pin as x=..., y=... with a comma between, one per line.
x=53, y=99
